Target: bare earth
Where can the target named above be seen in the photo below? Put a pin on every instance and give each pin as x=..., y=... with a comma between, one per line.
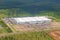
x=55, y=24
x=36, y=27
x=55, y=34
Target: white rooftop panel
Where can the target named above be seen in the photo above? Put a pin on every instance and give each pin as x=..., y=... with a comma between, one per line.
x=30, y=19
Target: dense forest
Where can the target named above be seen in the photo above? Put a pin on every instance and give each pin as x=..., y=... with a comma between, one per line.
x=18, y=12
x=18, y=8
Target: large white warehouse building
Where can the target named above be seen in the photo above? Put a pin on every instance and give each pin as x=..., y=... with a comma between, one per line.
x=29, y=23
x=31, y=20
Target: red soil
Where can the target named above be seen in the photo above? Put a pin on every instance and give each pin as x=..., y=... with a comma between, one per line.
x=55, y=34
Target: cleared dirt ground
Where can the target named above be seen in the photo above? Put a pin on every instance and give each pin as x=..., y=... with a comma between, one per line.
x=35, y=27
x=26, y=28
x=55, y=34
x=55, y=24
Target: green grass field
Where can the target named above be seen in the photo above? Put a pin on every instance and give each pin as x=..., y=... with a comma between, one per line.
x=4, y=28
x=27, y=36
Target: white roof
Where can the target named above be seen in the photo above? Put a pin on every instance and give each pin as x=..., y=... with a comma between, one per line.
x=30, y=19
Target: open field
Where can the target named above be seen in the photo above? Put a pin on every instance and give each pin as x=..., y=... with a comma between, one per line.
x=4, y=28
x=27, y=36
x=9, y=24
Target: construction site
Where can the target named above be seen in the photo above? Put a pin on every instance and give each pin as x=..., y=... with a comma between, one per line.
x=42, y=24
x=31, y=24
x=28, y=23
